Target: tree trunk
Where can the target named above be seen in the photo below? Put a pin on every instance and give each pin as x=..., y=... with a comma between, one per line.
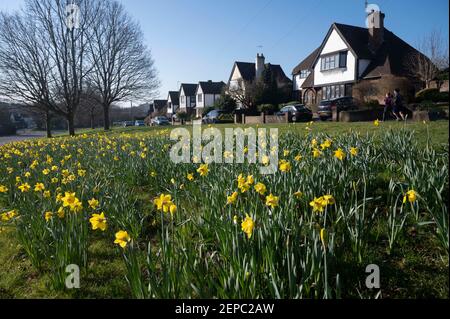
x=48, y=124
x=70, y=124
x=106, y=117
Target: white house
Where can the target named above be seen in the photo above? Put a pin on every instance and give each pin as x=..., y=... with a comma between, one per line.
x=350, y=55
x=207, y=93
x=187, y=97
x=173, y=102
x=244, y=73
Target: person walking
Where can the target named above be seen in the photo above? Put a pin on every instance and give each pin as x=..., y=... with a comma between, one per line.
x=388, y=103
x=398, y=105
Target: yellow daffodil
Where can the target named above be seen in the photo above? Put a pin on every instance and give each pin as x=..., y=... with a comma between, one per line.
x=3, y=189
x=316, y=153
x=353, y=151
x=93, y=203
x=285, y=166
x=46, y=171
x=410, y=196
x=24, y=187
x=298, y=158
x=46, y=194
x=98, y=221
x=232, y=198
x=48, y=216
x=8, y=215
x=71, y=201
x=260, y=188
x=190, y=177
x=61, y=212
x=247, y=226
x=325, y=144
x=272, y=201
x=376, y=122
x=203, y=170
x=122, y=238
x=39, y=187
x=165, y=204
x=339, y=154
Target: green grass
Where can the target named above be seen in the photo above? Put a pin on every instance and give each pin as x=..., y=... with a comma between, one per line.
x=438, y=131
x=414, y=269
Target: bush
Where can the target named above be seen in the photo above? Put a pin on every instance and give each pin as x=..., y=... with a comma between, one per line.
x=432, y=95
x=267, y=108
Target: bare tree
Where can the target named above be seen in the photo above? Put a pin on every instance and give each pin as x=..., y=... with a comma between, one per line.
x=24, y=65
x=245, y=93
x=43, y=58
x=431, y=58
x=122, y=65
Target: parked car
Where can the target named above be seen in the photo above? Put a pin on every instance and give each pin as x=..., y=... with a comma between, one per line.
x=297, y=113
x=342, y=104
x=127, y=123
x=160, y=120
x=217, y=116
x=139, y=123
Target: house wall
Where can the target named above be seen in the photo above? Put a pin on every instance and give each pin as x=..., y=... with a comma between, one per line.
x=235, y=77
x=187, y=103
x=297, y=81
x=334, y=44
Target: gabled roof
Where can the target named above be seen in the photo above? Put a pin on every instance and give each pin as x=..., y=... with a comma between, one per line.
x=309, y=81
x=357, y=39
x=174, y=97
x=248, y=71
x=306, y=64
x=392, y=58
x=210, y=87
x=159, y=104
x=188, y=88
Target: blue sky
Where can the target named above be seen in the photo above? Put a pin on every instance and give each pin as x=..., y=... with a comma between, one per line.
x=197, y=40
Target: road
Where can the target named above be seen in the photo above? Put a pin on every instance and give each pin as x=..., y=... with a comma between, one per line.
x=21, y=135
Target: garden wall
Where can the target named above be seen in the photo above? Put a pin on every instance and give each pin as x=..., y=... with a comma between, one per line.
x=361, y=115
x=264, y=119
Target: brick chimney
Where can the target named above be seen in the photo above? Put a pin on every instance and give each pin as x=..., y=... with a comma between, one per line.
x=259, y=65
x=376, y=29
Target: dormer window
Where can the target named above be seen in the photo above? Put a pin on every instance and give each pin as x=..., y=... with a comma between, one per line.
x=304, y=74
x=333, y=61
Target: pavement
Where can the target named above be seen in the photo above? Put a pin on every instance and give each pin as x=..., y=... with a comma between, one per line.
x=21, y=136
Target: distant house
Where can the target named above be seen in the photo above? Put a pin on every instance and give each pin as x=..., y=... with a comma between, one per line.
x=207, y=93
x=173, y=102
x=159, y=107
x=349, y=56
x=244, y=73
x=187, y=97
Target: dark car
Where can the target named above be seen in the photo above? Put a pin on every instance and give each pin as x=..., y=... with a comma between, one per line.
x=160, y=120
x=341, y=104
x=127, y=123
x=217, y=116
x=297, y=113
